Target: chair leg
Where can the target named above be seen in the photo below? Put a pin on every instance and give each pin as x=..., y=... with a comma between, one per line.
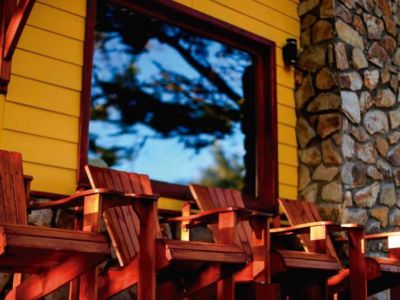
x=74, y=284
x=147, y=251
x=88, y=285
x=226, y=289
x=267, y=291
x=39, y=285
x=167, y=291
x=315, y=290
x=395, y=292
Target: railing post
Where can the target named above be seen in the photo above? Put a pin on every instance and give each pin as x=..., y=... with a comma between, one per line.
x=358, y=267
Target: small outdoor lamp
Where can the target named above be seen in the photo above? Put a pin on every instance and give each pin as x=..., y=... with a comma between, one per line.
x=290, y=52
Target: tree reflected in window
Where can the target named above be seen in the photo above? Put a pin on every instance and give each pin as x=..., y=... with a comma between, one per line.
x=171, y=103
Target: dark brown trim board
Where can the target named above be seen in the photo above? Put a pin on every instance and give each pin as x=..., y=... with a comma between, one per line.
x=264, y=52
x=13, y=17
x=84, y=118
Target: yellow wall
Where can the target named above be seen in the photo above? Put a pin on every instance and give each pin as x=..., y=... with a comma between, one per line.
x=275, y=20
x=41, y=109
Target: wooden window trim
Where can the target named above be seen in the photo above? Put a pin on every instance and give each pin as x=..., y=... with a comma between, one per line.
x=262, y=49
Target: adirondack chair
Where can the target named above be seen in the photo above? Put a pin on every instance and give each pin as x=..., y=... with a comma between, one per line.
x=289, y=267
x=54, y=256
x=194, y=265
x=301, y=211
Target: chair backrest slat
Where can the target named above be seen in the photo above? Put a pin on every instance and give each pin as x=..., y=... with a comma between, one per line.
x=299, y=212
x=12, y=189
x=212, y=198
x=122, y=222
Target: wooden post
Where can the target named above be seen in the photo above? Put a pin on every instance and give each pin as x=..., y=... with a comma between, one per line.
x=358, y=267
x=227, y=235
x=395, y=290
x=92, y=209
x=147, y=213
x=74, y=284
x=185, y=232
x=261, y=248
x=262, y=259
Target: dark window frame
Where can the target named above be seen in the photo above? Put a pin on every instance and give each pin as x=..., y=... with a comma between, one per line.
x=260, y=48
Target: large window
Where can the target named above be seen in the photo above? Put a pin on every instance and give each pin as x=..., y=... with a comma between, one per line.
x=181, y=101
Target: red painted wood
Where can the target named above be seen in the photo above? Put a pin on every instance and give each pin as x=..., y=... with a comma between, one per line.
x=37, y=286
x=12, y=21
x=7, y=8
x=12, y=189
x=41, y=250
x=262, y=248
x=299, y=212
x=124, y=230
x=15, y=27
x=358, y=267
x=87, y=67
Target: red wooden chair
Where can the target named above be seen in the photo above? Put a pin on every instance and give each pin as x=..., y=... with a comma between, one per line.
x=290, y=267
x=142, y=251
x=302, y=211
x=53, y=256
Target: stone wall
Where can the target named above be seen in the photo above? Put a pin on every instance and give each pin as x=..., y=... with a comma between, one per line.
x=348, y=110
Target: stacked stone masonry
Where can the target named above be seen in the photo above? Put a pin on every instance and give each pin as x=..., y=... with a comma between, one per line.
x=348, y=107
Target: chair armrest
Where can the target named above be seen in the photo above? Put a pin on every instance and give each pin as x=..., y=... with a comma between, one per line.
x=301, y=229
x=70, y=201
x=210, y=216
x=393, y=239
x=382, y=235
x=78, y=198
x=305, y=228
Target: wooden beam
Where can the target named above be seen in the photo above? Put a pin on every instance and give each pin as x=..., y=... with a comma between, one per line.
x=7, y=8
x=15, y=27
x=38, y=286
x=117, y=280
x=13, y=18
x=147, y=213
x=88, y=282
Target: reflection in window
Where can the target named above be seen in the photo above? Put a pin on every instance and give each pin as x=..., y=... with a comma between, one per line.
x=171, y=103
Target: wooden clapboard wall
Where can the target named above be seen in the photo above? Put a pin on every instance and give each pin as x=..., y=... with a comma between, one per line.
x=41, y=110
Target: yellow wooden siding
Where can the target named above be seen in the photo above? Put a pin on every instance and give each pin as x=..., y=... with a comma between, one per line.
x=43, y=95
x=46, y=69
x=42, y=106
x=51, y=179
x=57, y=20
x=276, y=21
x=77, y=7
x=42, y=150
x=39, y=122
x=72, y=49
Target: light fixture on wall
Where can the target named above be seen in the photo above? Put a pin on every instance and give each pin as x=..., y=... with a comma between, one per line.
x=290, y=52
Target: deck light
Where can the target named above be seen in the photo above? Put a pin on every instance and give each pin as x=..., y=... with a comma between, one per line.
x=290, y=52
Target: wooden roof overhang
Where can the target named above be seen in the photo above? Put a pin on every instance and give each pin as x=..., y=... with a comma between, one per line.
x=13, y=17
